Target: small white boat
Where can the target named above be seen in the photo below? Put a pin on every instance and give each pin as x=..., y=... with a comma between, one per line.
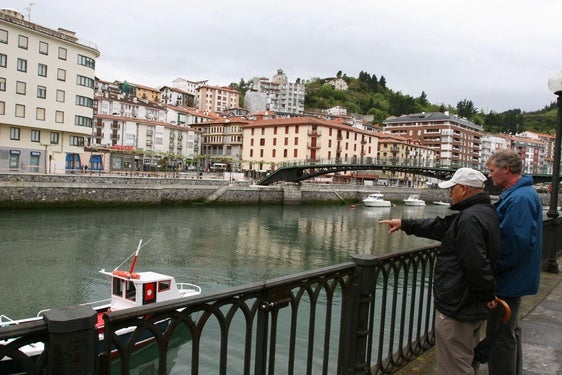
x=441, y=203
x=128, y=289
x=376, y=200
x=414, y=200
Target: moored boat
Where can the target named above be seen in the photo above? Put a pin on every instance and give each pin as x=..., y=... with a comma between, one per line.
x=376, y=200
x=441, y=203
x=414, y=200
x=128, y=289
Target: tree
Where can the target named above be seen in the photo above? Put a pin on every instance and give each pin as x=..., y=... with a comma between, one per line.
x=423, y=99
x=339, y=73
x=465, y=108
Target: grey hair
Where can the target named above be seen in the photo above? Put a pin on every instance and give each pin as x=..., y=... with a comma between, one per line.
x=503, y=158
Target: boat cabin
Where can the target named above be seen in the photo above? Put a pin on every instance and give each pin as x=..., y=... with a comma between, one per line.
x=137, y=289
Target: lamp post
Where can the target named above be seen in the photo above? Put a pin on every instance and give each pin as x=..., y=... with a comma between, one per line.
x=555, y=85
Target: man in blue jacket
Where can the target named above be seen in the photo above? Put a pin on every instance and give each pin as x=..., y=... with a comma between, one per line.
x=464, y=285
x=518, y=270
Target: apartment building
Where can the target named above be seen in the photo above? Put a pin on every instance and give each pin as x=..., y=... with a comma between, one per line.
x=490, y=144
x=46, y=96
x=147, y=93
x=455, y=140
x=216, y=99
x=277, y=94
x=176, y=97
x=188, y=86
x=133, y=134
x=268, y=142
x=221, y=139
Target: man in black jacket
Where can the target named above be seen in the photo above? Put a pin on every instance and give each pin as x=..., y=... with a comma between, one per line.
x=464, y=285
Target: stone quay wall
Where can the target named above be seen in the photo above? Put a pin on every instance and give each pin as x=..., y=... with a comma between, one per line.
x=35, y=190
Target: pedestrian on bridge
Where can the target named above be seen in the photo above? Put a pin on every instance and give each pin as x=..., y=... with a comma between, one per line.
x=518, y=272
x=464, y=286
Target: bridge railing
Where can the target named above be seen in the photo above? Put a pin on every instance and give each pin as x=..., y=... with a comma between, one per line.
x=406, y=162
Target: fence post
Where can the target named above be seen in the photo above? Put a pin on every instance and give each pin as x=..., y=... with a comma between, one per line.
x=356, y=308
x=72, y=345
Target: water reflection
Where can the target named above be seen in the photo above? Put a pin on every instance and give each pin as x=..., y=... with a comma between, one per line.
x=61, y=251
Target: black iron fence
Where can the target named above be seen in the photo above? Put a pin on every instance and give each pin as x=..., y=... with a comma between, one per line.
x=372, y=315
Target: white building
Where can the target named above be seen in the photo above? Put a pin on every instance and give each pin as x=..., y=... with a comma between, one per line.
x=46, y=96
x=139, y=133
x=188, y=86
x=277, y=95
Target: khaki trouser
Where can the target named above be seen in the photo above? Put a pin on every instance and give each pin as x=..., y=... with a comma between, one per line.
x=454, y=342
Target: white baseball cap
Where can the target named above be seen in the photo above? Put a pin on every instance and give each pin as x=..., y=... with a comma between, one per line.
x=465, y=176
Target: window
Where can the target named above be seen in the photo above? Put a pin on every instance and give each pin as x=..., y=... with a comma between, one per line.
x=3, y=60
x=84, y=101
x=2, y=84
x=40, y=114
x=62, y=53
x=41, y=92
x=15, y=134
x=43, y=48
x=20, y=87
x=35, y=136
x=76, y=141
x=54, y=138
x=86, y=121
x=3, y=36
x=14, y=159
x=20, y=110
x=60, y=96
x=61, y=74
x=42, y=70
x=59, y=116
x=22, y=41
x=2, y=108
x=86, y=61
x=22, y=65
x=84, y=81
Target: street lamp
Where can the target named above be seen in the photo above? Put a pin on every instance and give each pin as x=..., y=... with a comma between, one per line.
x=555, y=85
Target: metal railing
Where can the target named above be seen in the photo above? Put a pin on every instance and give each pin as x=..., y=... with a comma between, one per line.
x=373, y=314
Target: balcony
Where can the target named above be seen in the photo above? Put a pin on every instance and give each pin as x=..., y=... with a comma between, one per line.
x=313, y=145
x=314, y=133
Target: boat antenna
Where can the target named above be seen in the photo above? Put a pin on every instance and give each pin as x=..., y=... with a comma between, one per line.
x=134, y=262
x=135, y=254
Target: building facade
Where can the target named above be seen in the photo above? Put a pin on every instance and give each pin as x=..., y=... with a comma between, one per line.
x=221, y=140
x=277, y=95
x=456, y=141
x=270, y=142
x=133, y=134
x=47, y=82
x=216, y=99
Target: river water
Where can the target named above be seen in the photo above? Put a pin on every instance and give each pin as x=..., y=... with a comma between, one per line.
x=51, y=258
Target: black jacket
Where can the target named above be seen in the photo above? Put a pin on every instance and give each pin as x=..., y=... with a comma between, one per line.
x=470, y=247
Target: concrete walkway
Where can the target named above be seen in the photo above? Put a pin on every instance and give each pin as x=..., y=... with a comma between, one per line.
x=541, y=326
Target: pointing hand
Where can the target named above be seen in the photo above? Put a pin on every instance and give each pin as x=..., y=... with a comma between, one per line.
x=393, y=224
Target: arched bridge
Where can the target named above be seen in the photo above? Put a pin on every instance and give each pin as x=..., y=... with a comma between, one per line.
x=297, y=172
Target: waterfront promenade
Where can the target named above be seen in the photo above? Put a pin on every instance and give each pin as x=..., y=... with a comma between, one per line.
x=541, y=324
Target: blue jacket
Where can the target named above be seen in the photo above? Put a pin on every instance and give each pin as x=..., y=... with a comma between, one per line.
x=520, y=214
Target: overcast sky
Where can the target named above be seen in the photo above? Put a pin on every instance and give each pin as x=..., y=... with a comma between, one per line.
x=497, y=53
